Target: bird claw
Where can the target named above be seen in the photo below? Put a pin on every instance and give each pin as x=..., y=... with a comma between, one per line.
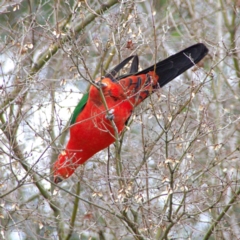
x=110, y=116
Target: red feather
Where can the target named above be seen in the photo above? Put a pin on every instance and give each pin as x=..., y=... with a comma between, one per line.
x=93, y=130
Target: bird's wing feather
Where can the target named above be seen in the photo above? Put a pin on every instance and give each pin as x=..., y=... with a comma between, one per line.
x=79, y=108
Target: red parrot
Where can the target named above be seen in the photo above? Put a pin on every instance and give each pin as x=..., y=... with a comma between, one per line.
x=96, y=116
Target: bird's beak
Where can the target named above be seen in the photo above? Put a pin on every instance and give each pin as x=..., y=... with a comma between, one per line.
x=101, y=85
x=58, y=179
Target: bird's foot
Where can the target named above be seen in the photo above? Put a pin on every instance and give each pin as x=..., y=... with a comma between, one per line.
x=110, y=115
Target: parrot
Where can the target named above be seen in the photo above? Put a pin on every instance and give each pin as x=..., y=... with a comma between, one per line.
x=102, y=113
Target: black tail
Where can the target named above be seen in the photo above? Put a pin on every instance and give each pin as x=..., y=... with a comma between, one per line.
x=116, y=69
x=178, y=63
x=134, y=65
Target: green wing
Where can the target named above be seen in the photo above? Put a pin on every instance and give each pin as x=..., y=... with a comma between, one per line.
x=79, y=108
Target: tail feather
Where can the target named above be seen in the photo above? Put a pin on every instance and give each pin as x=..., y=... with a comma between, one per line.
x=117, y=68
x=173, y=66
x=134, y=65
x=178, y=63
